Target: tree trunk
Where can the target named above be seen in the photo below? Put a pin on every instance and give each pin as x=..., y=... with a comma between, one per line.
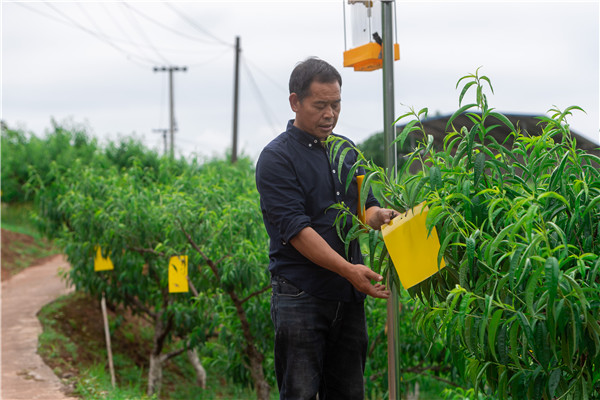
x=256, y=370
x=155, y=375
x=254, y=356
x=200, y=371
x=156, y=358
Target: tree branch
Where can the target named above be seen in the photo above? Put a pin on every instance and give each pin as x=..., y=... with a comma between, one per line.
x=142, y=250
x=192, y=287
x=208, y=261
x=140, y=306
x=261, y=291
x=174, y=353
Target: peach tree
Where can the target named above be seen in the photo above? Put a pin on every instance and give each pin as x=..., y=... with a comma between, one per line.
x=518, y=305
x=140, y=217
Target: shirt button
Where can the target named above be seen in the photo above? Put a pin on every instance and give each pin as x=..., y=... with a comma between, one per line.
x=333, y=171
x=310, y=145
x=338, y=193
x=315, y=141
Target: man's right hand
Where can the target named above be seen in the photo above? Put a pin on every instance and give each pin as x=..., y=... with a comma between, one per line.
x=360, y=276
x=312, y=246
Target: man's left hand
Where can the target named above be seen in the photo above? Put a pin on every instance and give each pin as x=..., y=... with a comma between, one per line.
x=377, y=216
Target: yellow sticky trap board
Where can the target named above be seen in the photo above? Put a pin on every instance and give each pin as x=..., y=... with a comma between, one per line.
x=361, y=210
x=178, y=272
x=413, y=252
x=102, y=263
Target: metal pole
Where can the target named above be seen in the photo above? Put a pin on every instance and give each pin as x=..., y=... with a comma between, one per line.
x=387, y=22
x=235, y=100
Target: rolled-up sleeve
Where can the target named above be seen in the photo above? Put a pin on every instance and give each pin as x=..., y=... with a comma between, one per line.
x=281, y=195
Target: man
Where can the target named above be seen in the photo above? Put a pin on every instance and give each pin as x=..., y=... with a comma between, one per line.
x=318, y=291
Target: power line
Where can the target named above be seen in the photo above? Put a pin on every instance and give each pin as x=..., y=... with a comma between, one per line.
x=99, y=29
x=168, y=28
x=264, y=107
x=264, y=74
x=140, y=60
x=196, y=26
x=69, y=21
x=136, y=25
x=211, y=60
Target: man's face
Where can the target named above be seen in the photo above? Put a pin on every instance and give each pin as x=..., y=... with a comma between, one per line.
x=318, y=112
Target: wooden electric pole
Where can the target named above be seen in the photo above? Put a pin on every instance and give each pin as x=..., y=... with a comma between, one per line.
x=171, y=104
x=236, y=88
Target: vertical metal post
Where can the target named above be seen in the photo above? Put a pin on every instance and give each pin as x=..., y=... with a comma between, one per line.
x=389, y=133
x=236, y=80
x=388, y=85
x=171, y=114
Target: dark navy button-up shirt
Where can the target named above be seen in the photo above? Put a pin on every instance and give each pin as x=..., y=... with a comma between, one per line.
x=298, y=183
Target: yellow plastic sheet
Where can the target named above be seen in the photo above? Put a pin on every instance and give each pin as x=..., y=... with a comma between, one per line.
x=178, y=272
x=413, y=252
x=102, y=263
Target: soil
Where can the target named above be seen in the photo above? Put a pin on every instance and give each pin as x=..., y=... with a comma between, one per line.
x=12, y=254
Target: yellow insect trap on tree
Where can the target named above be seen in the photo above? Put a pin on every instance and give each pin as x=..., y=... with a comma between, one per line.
x=362, y=18
x=102, y=263
x=178, y=273
x=414, y=252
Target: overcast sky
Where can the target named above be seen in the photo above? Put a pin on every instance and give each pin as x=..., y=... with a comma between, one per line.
x=91, y=64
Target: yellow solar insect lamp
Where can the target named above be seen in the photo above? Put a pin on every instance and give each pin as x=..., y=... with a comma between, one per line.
x=363, y=35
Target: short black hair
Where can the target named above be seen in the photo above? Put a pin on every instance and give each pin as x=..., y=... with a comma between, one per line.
x=309, y=70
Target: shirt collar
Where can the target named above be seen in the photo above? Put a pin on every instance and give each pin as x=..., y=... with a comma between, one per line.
x=304, y=138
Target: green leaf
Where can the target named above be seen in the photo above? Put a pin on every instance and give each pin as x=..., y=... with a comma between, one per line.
x=350, y=178
x=435, y=176
x=470, y=251
x=555, y=178
x=552, y=271
x=541, y=344
x=492, y=329
x=464, y=91
x=341, y=161
x=464, y=308
x=485, y=78
x=524, y=322
x=554, y=381
x=554, y=195
x=458, y=112
x=514, y=344
x=408, y=128
x=502, y=345
x=478, y=167
x=504, y=120
x=530, y=290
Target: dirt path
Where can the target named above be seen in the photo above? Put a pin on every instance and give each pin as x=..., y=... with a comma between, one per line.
x=24, y=374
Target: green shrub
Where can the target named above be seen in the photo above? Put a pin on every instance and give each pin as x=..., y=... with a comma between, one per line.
x=518, y=305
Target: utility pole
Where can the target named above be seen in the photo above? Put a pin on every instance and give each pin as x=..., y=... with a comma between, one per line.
x=389, y=133
x=236, y=88
x=164, y=133
x=171, y=103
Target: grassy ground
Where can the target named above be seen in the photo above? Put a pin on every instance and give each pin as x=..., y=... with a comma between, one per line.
x=73, y=345
x=22, y=245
